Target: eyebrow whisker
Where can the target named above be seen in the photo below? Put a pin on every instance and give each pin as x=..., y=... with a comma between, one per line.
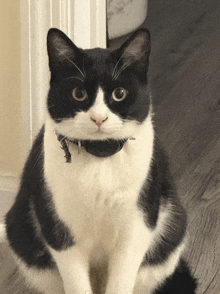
x=73, y=64
x=121, y=69
x=113, y=73
x=74, y=78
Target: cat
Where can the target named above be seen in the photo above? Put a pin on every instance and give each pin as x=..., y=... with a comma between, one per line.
x=97, y=210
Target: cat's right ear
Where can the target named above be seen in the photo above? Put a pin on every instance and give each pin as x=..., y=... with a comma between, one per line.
x=135, y=51
x=60, y=48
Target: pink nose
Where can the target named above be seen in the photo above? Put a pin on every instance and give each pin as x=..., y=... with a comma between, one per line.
x=98, y=121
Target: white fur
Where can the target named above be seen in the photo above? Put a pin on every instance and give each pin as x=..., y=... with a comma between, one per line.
x=96, y=198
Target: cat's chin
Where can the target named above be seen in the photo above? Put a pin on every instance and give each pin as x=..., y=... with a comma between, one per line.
x=102, y=135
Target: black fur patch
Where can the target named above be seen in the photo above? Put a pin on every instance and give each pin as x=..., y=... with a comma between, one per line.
x=181, y=282
x=31, y=223
x=159, y=192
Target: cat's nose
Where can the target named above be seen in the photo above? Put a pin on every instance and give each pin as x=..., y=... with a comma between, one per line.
x=98, y=121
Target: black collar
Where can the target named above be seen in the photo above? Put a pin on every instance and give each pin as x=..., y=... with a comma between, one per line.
x=97, y=148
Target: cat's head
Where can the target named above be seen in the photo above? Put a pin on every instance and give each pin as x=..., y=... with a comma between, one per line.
x=98, y=94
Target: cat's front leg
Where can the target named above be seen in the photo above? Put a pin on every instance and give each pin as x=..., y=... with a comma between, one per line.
x=73, y=266
x=126, y=258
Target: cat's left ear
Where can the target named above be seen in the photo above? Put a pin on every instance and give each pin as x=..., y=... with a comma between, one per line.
x=135, y=50
x=60, y=48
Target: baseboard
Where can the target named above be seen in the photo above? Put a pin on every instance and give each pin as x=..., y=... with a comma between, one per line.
x=9, y=183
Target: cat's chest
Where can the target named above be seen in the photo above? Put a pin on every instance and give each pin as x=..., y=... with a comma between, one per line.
x=94, y=192
x=87, y=175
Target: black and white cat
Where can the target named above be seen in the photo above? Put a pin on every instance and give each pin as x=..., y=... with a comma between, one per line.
x=97, y=210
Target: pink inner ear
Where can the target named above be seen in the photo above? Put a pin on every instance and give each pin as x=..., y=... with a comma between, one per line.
x=135, y=48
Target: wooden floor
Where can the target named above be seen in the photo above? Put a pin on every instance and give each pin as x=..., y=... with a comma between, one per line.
x=185, y=81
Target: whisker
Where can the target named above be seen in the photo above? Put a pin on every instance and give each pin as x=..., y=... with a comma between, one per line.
x=113, y=73
x=136, y=56
x=73, y=64
x=74, y=78
x=122, y=68
x=51, y=106
x=84, y=66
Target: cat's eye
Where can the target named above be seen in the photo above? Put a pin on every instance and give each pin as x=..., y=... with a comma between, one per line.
x=119, y=94
x=79, y=94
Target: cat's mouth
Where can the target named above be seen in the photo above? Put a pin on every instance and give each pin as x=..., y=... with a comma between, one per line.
x=101, y=131
x=98, y=148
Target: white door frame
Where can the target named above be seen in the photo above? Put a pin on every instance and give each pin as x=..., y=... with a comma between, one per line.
x=84, y=21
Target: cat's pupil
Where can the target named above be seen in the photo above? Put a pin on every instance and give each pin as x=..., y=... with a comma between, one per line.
x=119, y=94
x=79, y=94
